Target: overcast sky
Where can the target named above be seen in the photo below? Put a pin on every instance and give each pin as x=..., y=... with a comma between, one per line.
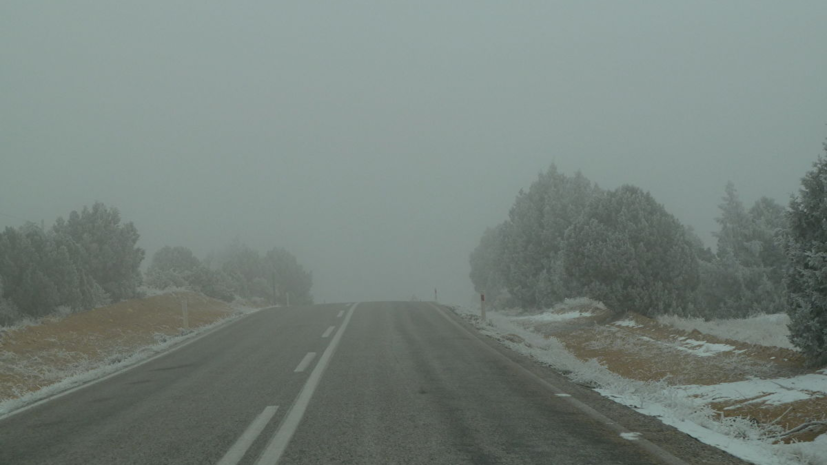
x=377, y=140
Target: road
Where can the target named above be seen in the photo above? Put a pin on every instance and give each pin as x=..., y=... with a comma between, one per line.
x=372, y=383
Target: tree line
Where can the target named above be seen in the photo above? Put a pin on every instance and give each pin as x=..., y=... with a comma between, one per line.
x=92, y=259
x=566, y=237
x=237, y=270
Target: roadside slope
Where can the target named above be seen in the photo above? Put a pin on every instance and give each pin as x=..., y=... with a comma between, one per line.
x=38, y=356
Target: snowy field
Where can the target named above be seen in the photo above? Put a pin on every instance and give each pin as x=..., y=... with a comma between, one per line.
x=685, y=407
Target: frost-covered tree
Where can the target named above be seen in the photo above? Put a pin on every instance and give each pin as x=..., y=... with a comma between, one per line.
x=244, y=266
x=289, y=277
x=536, y=228
x=730, y=290
x=42, y=271
x=255, y=276
x=8, y=311
x=172, y=267
x=109, y=251
x=627, y=251
x=806, y=250
x=735, y=235
x=175, y=258
x=179, y=267
x=745, y=277
x=769, y=226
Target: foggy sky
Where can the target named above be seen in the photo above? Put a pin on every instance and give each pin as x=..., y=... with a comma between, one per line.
x=377, y=140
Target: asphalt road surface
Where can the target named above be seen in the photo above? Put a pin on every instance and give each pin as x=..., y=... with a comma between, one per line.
x=372, y=383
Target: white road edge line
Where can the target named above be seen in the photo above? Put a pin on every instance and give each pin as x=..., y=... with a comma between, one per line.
x=650, y=447
x=277, y=445
x=329, y=330
x=341, y=312
x=243, y=443
x=305, y=362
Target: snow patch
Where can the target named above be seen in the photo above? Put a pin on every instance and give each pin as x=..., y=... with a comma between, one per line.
x=766, y=330
x=702, y=348
x=552, y=317
x=768, y=391
x=627, y=323
x=630, y=436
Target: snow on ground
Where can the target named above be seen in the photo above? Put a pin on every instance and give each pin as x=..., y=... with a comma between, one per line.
x=628, y=323
x=765, y=330
x=683, y=407
x=691, y=346
x=769, y=391
x=702, y=348
x=548, y=317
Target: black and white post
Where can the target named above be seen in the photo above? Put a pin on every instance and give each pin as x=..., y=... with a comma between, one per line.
x=482, y=307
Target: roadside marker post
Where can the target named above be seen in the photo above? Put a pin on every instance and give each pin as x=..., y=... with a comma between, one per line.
x=185, y=311
x=482, y=307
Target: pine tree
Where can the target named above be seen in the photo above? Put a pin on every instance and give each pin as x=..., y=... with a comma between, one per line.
x=734, y=237
x=806, y=249
x=627, y=251
x=109, y=252
x=538, y=220
x=290, y=277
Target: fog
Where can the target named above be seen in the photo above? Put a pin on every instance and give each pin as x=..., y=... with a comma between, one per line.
x=376, y=141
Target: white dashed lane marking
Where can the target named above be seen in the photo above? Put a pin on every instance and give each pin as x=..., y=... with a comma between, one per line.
x=305, y=362
x=236, y=453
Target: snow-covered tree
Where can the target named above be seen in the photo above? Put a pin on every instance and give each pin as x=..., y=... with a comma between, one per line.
x=109, y=251
x=179, y=267
x=255, y=276
x=175, y=258
x=769, y=225
x=745, y=277
x=8, y=311
x=627, y=251
x=534, y=236
x=734, y=237
x=290, y=278
x=41, y=271
x=806, y=250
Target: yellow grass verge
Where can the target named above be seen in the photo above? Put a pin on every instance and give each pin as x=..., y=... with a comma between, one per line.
x=34, y=357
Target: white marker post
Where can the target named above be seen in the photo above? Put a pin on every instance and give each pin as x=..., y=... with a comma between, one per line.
x=482, y=307
x=185, y=311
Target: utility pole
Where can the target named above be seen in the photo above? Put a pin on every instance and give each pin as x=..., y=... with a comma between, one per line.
x=435, y=296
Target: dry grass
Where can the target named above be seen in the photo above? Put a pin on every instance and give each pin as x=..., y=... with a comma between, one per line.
x=33, y=357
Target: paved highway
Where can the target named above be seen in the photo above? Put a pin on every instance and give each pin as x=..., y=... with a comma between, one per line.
x=373, y=383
